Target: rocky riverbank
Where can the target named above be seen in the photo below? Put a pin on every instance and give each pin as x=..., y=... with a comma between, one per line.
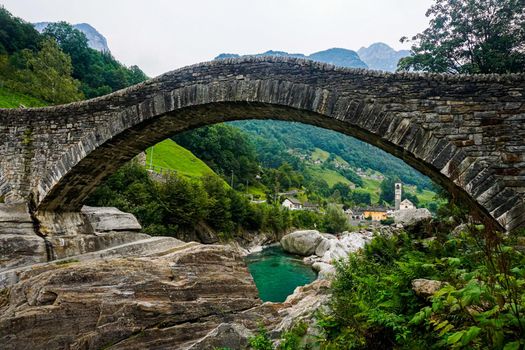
x=128, y=290
x=321, y=250
x=157, y=293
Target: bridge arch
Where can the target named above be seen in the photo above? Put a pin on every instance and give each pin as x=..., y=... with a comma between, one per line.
x=465, y=132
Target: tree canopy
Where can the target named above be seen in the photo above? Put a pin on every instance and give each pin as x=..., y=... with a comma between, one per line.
x=99, y=72
x=58, y=66
x=16, y=34
x=45, y=74
x=470, y=36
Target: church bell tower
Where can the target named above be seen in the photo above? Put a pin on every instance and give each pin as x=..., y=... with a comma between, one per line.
x=397, y=194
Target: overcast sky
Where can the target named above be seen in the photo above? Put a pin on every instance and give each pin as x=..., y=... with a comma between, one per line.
x=161, y=35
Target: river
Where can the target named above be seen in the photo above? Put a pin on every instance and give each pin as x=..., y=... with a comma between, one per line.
x=277, y=273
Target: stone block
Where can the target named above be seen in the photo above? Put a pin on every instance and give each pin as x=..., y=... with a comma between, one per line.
x=106, y=219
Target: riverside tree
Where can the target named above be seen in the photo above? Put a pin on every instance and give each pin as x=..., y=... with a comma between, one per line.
x=470, y=36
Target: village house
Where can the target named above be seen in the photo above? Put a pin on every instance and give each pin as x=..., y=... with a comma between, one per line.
x=310, y=206
x=292, y=204
x=376, y=213
x=406, y=204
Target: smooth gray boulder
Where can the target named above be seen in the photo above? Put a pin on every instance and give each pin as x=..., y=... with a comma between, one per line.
x=301, y=242
x=106, y=219
x=411, y=216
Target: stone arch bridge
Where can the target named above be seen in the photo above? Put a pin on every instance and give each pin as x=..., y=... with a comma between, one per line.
x=466, y=132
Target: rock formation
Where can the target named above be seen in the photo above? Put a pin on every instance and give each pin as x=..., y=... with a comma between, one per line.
x=301, y=242
x=155, y=293
x=96, y=40
x=322, y=250
x=411, y=216
x=381, y=56
x=127, y=302
x=426, y=288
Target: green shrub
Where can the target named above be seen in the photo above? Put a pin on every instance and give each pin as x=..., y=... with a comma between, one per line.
x=480, y=306
x=291, y=340
x=261, y=341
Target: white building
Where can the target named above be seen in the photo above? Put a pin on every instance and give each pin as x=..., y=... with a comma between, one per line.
x=292, y=204
x=406, y=204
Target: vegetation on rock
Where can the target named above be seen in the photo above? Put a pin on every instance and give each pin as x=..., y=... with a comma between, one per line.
x=480, y=305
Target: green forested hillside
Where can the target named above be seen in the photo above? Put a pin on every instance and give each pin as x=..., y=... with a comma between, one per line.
x=269, y=135
x=275, y=157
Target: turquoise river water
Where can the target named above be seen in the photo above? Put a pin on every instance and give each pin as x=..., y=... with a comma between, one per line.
x=277, y=273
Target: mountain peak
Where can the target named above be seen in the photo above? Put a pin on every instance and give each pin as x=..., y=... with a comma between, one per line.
x=95, y=40
x=380, y=56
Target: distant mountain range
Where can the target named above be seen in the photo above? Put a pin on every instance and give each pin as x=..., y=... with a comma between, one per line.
x=377, y=56
x=95, y=40
x=336, y=56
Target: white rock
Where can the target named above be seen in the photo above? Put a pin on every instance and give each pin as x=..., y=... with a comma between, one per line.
x=324, y=270
x=310, y=260
x=353, y=241
x=426, y=288
x=301, y=242
x=323, y=246
x=411, y=216
x=337, y=250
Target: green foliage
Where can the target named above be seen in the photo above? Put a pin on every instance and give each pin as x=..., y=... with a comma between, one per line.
x=226, y=150
x=470, y=36
x=57, y=67
x=16, y=34
x=179, y=204
x=293, y=338
x=306, y=219
x=480, y=306
x=411, y=197
x=485, y=305
x=261, y=341
x=274, y=140
x=387, y=193
x=45, y=74
x=11, y=99
x=335, y=220
x=170, y=156
x=98, y=72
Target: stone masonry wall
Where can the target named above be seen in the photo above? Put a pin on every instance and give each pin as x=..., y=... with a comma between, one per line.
x=465, y=132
